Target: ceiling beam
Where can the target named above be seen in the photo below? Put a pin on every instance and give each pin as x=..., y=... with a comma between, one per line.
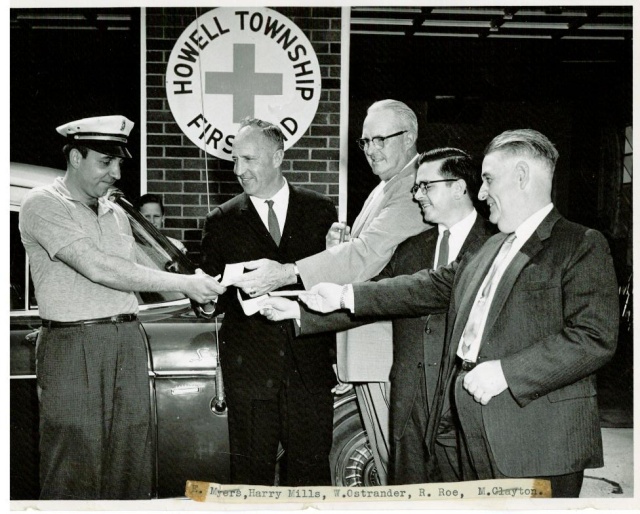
x=418, y=21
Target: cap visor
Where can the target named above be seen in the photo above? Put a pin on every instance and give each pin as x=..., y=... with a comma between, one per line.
x=107, y=148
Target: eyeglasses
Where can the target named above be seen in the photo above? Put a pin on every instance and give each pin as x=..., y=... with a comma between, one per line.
x=424, y=186
x=377, y=141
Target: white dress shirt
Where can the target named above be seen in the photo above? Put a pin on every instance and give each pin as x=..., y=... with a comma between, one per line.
x=280, y=205
x=523, y=233
x=457, y=235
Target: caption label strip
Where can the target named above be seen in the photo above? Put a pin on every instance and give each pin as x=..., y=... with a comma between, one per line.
x=485, y=489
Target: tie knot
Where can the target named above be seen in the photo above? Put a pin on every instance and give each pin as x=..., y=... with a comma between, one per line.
x=446, y=234
x=269, y=203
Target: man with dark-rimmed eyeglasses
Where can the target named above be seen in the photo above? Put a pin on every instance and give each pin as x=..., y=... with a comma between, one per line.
x=446, y=184
x=388, y=217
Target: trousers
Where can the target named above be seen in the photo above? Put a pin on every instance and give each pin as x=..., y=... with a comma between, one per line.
x=300, y=421
x=482, y=462
x=96, y=427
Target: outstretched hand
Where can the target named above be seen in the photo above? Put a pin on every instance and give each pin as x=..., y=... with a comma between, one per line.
x=266, y=276
x=277, y=309
x=323, y=297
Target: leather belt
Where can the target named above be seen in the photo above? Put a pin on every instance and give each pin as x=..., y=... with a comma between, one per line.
x=120, y=318
x=466, y=365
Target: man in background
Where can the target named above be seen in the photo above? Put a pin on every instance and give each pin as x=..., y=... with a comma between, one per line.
x=152, y=208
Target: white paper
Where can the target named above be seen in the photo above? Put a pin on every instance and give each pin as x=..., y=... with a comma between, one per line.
x=231, y=272
x=251, y=306
x=285, y=293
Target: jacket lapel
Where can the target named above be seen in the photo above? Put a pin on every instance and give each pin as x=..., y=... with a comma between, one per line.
x=427, y=253
x=479, y=267
x=252, y=219
x=522, y=258
x=370, y=211
x=476, y=231
x=295, y=213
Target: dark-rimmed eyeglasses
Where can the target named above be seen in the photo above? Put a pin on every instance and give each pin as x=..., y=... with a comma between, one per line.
x=424, y=186
x=377, y=141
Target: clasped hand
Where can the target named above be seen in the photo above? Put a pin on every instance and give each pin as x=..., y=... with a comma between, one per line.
x=337, y=231
x=203, y=288
x=485, y=381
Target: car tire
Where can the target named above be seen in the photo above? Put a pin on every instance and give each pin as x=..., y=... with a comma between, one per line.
x=351, y=458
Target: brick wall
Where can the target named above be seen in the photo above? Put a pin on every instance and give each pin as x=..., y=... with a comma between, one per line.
x=176, y=167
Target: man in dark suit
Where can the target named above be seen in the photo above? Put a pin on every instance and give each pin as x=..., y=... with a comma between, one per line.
x=278, y=387
x=445, y=183
x=532, y=316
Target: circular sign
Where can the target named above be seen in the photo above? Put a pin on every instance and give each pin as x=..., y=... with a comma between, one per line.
x=230, y=64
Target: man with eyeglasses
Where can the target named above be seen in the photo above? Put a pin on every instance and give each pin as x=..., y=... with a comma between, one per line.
x=388, y=217
x=445, y=184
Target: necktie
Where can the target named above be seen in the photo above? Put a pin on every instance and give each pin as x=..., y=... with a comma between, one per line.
x=272, y=219
x=479, y=309
x=443, y=252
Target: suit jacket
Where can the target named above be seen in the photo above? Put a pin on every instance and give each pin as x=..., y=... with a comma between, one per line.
x=376, y=232
x=418, y=341
x=553, y=322
x=254, y=351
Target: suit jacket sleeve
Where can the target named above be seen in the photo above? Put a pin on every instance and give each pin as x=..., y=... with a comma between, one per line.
x=588, y=338
x=366, y=255
x=212, y=257
x=425, y=292
x=314, y=323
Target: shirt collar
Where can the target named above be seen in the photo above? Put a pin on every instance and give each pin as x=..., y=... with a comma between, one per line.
x=280, y=198
x=463, y=226
x=104, y=205
x=529, y=226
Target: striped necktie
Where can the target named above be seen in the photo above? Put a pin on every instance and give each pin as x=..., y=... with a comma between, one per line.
x=481, y=306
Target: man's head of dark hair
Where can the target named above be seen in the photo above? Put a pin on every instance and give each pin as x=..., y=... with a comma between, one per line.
x=455, y=164
x=149, y=198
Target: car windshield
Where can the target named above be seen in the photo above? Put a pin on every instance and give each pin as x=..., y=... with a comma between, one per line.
x=154, y=251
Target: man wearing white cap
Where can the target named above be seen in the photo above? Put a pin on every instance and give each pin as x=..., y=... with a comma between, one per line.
x=95, y=413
